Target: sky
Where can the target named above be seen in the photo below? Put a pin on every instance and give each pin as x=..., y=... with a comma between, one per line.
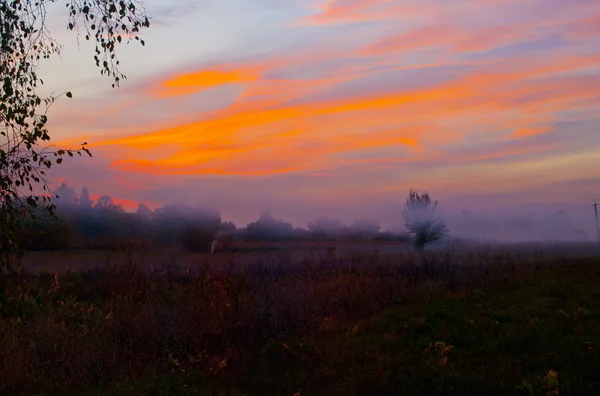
x=306, y=107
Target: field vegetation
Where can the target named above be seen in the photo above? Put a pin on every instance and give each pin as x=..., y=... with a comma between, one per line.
x=308, y=319
x=107, y=302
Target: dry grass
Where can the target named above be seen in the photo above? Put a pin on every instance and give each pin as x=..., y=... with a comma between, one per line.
x=127, y=322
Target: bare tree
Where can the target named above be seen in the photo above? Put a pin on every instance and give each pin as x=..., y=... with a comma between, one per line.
x=422, y=219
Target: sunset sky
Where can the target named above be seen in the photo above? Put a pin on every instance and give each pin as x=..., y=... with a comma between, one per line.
x=306, y=107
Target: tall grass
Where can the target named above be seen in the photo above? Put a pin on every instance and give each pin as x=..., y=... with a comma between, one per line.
x=77, y=331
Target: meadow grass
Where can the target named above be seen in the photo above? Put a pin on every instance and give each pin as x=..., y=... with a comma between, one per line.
x=457, y=323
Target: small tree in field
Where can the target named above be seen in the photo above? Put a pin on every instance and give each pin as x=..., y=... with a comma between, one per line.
x=421, y=218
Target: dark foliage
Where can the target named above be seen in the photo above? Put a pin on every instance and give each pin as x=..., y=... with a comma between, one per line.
x=404, y=324
x=24, y=152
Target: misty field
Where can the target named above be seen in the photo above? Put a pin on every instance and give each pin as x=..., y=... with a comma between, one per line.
x=309, y=319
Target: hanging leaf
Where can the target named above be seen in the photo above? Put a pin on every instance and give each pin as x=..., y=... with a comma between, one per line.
x=25, y=41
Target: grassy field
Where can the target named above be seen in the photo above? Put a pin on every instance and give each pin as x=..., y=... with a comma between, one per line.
x=470, y=322
x=177, y=257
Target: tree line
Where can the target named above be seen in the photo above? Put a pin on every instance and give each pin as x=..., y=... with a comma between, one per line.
x=82, y=222
x=27, y=218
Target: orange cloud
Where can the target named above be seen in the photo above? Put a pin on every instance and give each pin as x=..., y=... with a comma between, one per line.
x=280, y=124
x=185, y=84
x=531, y=131
x=269, y=137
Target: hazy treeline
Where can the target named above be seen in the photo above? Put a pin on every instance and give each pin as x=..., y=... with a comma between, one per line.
x=84, y=223
x=551, y=227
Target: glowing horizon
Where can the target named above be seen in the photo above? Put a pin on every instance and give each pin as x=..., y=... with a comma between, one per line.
x=348, y=100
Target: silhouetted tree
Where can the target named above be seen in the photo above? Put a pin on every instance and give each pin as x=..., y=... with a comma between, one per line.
x=104, y=202
x=196, y=228
x=65, y=196
x=85, y=202
x=171, y=220
x=201, y=229
x=228, y=228
x=300, y=234
x=421, y=218
x=267, y=228
x=144, y=212
x=226, y=235
x=325, y=227
x=24, y=41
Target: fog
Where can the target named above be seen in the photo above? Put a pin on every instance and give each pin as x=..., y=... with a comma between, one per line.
x=538, y=222
x=480, y=219
x=518, y=227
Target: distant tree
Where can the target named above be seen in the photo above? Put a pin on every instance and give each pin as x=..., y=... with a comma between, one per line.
x=195, y=228
x=227, y=231
x=325, y=227
x=65, y=196
x=198, y=237
x=24, y=41
x=267, y=228
x=364, y=228
x=226, y=235
x=85, y=202
x=105, y=202
x=300, y=234
x=144, y=212
x=421, y=218
x=170, y=221
x=201, y=229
